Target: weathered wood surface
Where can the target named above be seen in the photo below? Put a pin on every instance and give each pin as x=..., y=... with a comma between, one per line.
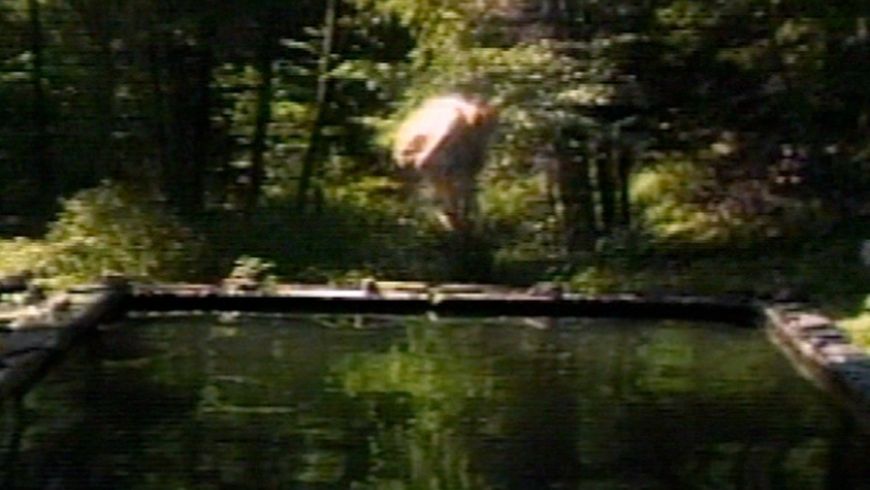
x=823, y=353
x=448, y=300
x=33, y=341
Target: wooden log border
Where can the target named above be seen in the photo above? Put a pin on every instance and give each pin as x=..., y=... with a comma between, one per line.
x=446, y=303
x=27, y=352
x=817, y=347
x=823, y=353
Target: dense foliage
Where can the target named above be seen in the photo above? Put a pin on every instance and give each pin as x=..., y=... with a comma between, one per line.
x=626, y=128
x=102, y=231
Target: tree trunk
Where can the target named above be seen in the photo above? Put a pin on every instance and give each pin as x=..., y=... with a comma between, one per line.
x=605, y=161
x=98, y=18
x=178, y=131
x=575, y=189
x=41, y=139
x=106, y=81
x=201, y=122
x=264, y=114
x=624, y=164
x=188, y=138
x=159, y=120
x=189, y=101
x=313, y=152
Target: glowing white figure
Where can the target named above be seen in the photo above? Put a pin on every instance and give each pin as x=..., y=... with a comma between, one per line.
x=445, y=142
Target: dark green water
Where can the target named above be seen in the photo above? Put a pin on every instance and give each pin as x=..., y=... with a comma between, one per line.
x=407, y=404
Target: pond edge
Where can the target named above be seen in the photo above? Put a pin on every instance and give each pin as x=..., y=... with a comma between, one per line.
x=816, y=346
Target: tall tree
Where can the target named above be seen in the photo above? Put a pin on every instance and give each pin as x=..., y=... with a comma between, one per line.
x=190, y=61
x=41, y=138
x=99, y=19
x=321, y=104
x=265, y=60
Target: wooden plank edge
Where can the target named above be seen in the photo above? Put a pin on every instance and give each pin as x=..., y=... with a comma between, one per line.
x=29, y=352
x=624, y=306
x=824, y=354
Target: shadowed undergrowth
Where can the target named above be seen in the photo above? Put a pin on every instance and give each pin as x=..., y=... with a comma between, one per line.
x=369, y=230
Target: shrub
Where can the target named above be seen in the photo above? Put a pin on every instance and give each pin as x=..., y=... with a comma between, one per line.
x=23, y=254
x=107, y=229
x=667, y=195
x=376, y=199
x=250, y=270
x=682, y=199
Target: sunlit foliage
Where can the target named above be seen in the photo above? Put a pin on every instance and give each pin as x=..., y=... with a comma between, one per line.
x=109, y=229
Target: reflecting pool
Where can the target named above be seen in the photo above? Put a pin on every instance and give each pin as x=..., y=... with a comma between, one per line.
x=326, y=402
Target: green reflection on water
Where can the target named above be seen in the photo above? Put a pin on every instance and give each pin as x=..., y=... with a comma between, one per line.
x=405, y=403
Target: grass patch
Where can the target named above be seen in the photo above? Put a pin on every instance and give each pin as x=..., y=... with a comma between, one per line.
x=825, y=272
x=859, y=328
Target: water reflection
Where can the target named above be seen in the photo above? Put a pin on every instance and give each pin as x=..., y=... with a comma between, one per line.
x=395, y=403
